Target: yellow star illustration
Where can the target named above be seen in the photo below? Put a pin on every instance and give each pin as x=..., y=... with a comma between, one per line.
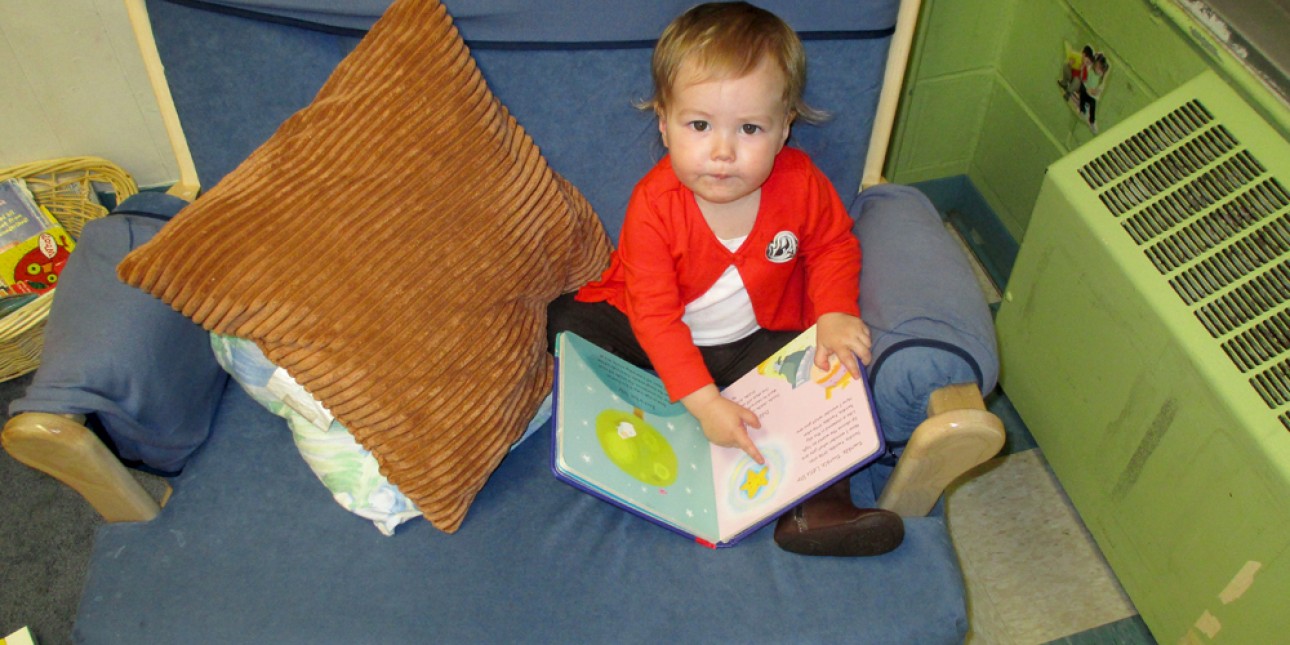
x=754, y=481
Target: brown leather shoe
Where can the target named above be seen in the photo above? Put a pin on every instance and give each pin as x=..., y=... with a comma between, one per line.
x=829, y=524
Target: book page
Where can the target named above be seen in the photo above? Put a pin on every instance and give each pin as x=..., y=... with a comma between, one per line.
x=815, y=425
x=618, y=434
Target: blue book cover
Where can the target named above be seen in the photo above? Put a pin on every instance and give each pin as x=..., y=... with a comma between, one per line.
x=20, y=218
x=619, y=437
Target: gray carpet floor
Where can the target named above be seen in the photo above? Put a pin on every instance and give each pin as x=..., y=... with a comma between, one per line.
x=46, y=531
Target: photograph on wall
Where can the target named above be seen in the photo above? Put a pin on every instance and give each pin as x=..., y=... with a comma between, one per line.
x=1083, y=79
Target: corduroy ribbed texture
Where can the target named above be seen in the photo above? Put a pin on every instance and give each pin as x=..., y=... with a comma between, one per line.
x=393, y=246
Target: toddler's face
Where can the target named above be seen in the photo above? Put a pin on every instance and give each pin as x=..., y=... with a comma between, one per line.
x=723, y=133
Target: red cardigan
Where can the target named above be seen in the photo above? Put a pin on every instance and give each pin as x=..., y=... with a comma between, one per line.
x=799, y=261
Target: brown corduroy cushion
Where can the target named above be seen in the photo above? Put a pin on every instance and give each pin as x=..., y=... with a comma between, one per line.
x=393, y=246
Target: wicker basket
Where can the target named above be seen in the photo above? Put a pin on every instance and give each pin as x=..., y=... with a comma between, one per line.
x=63, y=187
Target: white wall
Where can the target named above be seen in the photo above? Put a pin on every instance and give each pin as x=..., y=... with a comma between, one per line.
x=72, y=82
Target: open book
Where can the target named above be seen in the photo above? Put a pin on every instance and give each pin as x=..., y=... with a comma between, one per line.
x=618, y=437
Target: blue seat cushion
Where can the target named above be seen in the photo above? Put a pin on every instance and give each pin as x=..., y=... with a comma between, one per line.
x=251, y=548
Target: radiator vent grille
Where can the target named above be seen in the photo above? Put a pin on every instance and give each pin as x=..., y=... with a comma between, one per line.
x=1273, y=385
x=1171, y=170
x=1206, y=190
x=1245, y=256
x=1244, y=305
x=1217, y=227
x=1146, y=145
x=1209, y=217
x=1260, y=343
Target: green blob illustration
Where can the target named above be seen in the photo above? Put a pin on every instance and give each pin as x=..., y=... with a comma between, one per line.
x=636, y=447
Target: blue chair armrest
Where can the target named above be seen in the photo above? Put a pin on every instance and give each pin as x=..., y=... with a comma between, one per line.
x=930, y=322
x=139, y=369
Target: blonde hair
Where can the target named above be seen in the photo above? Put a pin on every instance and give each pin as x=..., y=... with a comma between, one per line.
x=729, y=40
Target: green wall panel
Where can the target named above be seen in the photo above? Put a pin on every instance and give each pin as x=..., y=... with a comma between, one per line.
x=957, y=44
x=1033, y=57
x=954, y=108
x=963, y=35
x=1142, y=39
x=1011, y=147
x=991, y=67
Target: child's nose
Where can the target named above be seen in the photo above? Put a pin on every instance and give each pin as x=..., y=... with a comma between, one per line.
x=723, y=148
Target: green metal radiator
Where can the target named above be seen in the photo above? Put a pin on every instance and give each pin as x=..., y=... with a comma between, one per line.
x=1145, y=340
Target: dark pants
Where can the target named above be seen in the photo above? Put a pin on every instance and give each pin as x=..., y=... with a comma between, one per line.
x=606, y=326
x=1087, y=104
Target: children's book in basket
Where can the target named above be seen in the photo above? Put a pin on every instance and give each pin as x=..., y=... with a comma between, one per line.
x=619, y=437
x=33, y=245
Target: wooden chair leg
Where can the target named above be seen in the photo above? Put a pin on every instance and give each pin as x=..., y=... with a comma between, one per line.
x=66, y=450
x=958, y=435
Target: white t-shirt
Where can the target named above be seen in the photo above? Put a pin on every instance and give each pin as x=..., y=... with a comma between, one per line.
x=723, y=314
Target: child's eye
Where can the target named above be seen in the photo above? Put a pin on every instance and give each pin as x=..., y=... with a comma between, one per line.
x=699, y=126
x=749, y=128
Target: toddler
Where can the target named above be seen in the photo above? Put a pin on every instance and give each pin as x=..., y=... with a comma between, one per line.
x=732, y=245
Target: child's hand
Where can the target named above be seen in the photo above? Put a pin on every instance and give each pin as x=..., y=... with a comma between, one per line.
x=844, y=336
x=723, y=420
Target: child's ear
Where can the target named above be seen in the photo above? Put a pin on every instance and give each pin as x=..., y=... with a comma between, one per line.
x=662, y=125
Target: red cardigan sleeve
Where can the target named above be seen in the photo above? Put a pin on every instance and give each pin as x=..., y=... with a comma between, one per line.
x=832, y=254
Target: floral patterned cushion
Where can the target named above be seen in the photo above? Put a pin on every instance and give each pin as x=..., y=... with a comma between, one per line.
x=345, y=468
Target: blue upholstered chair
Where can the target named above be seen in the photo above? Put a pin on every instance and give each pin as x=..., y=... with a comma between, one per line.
x=251, y=547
